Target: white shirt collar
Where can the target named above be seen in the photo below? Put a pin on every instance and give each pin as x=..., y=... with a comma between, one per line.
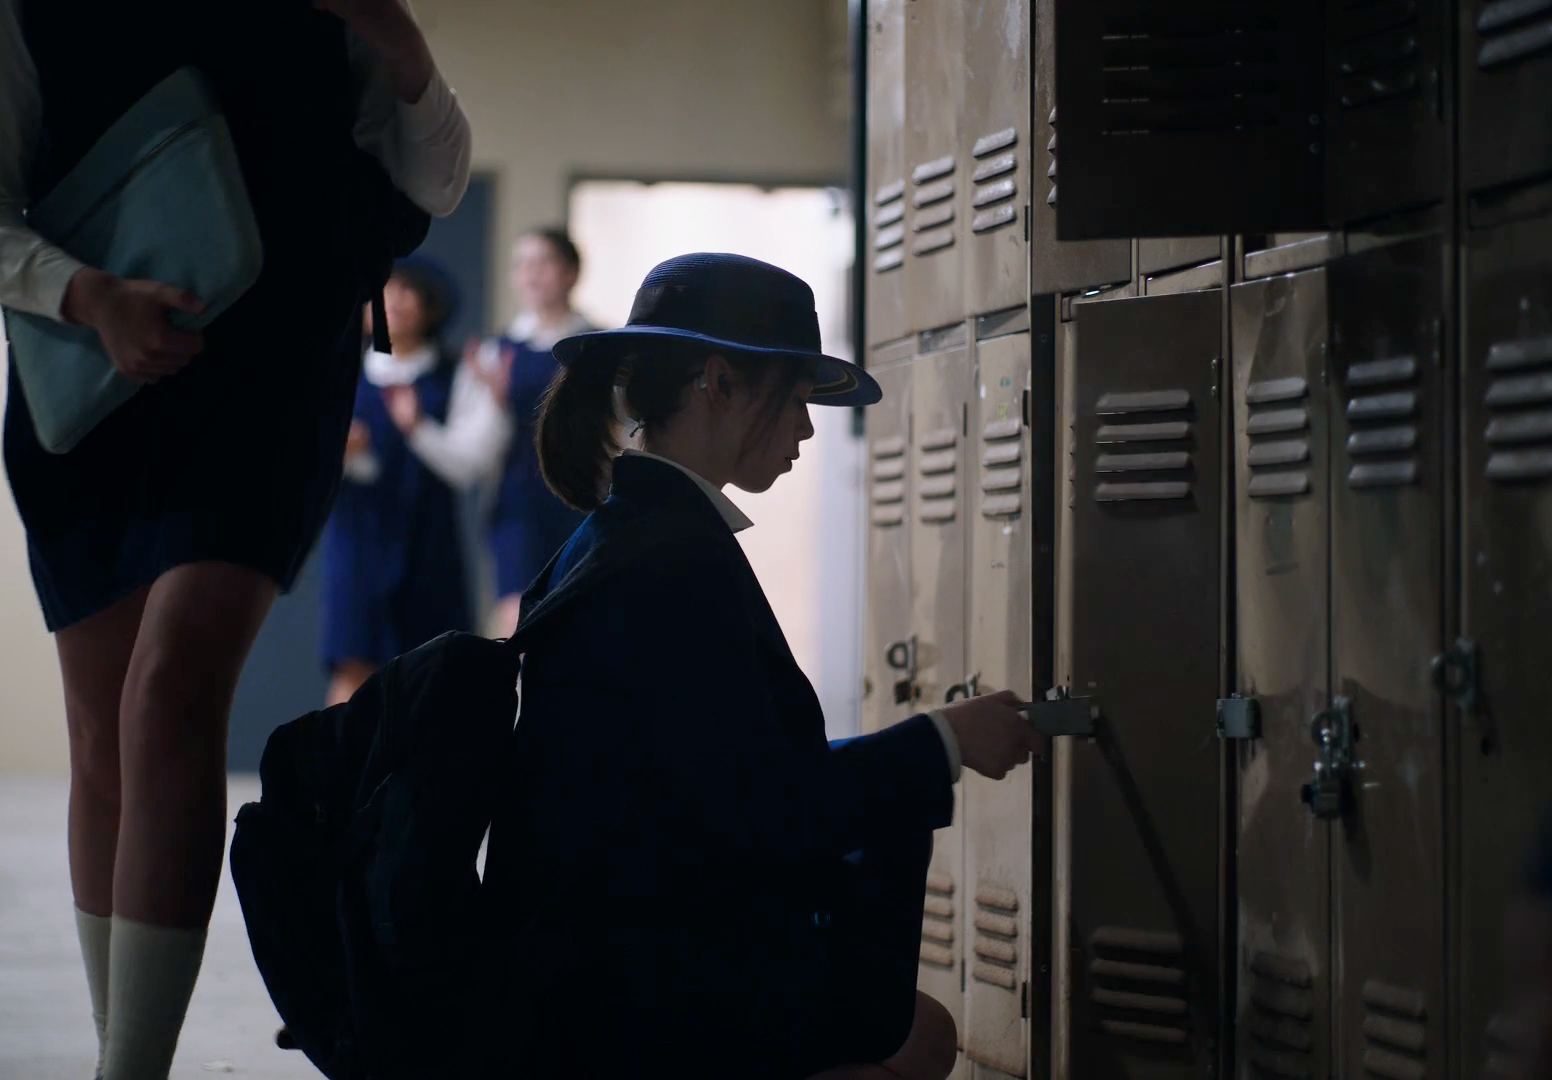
x=385, y=369
x=735, y=518
x=526, y=329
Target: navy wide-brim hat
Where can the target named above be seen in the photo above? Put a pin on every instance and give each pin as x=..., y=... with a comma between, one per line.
x=728, y=303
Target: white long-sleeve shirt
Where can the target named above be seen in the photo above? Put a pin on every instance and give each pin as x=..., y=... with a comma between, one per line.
x=465, y=449
x=424, y=147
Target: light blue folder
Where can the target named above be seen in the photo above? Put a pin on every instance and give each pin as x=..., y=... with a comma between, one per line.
x=161, y=197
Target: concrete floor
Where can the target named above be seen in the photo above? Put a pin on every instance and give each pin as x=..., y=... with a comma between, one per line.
x=45, y=1017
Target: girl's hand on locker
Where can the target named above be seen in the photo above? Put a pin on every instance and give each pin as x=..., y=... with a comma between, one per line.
x=130, y=318
x=403, y=407
x=359, y=440
x=994, y=735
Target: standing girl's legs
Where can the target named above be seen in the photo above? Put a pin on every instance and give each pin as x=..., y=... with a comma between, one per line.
x=198, y=623
x=503, y=618
x=94, y=656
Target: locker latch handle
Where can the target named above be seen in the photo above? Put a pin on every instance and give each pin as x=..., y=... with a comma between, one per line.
x=901, y=656
x=970, y=688
x=1062, y=714
x=1328, y=792
x=1239, y=717
x=1455, y=673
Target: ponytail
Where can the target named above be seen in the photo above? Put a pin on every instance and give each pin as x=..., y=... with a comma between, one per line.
x=575, y=435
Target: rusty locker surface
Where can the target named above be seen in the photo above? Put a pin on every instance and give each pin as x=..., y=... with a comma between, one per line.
x=1145, y=641
x=995, y=154
x=1386, y=609
x=1188, y=119
x=1385, y=88
x=1505, y=740
x=1069, y=266
x=1506, y=92
x=1282, y=454
x=1004, y=935
x=889, y=663
x=936, y=185
x=940, y=390
x=885, y=190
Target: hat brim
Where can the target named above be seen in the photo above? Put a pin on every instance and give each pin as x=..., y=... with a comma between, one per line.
x=838, y=382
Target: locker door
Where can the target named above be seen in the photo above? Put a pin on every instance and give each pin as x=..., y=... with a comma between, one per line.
x=1157, y=255
x=1385, y=146
x=889, y=665
x=1506, y=92
x=1145, y=641
x=1386, y=606
x=886, y=169
x=936, y=186
x=1005, y=838
x=940, y=387
x=1505, y=740
x=1282, y=571
x=994, y=141
x=1070, y=266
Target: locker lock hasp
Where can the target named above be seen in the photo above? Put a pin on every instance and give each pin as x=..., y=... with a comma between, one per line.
x=1328, y=793
x=1239, y=718
x=1062, y=714
x=901, y=656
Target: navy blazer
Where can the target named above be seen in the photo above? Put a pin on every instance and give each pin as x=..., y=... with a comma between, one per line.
x=677, y=822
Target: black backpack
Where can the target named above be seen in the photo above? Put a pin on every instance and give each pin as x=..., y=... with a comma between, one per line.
x=356, y=869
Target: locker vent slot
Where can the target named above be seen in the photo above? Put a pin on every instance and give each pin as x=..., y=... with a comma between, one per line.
x=997, y=216
x=1148, y=461
x=1281, y=1019
x=1376, y=52
x=889, y=515
x=1519, y=432
x=997, y=140
x=889, y=230
x=1511, y=30
x=938, y=920
x=888, y=492
x=1277, y=421
x=931, y=219
x=931, y=170
x=1269, y=458
x=995, y=180
x=938, y=483
x=1278, y=452
x=889, y=468
x=932, y=241
x=1393, y=444
x=1050, y=148
x=1000, y=165
x=1137, y=983
x=1394, y=1032
x=996, y=937
x=933, y=182
x=996, y=191
x=937, y=487
x=1002, y=456
x=1266, y=392
x=934, y=192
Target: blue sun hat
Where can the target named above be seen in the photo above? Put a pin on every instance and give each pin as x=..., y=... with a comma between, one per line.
x=729, y=303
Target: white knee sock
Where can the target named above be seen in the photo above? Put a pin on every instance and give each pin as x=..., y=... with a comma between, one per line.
x=151, y=977
x=95, y=931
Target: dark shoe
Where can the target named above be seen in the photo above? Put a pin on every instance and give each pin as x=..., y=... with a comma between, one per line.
x=283, y=1040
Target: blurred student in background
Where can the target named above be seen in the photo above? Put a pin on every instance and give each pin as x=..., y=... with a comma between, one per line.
x=528, y=524
x=393, y=565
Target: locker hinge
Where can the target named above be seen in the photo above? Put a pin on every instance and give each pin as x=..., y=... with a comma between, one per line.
x=901, y=656
x=1026, y=223
x=1062, y=714
x=1024, y=408
x=1327, y=793
x=1024, y=1001
x=1455, y=673
x=1239, y=717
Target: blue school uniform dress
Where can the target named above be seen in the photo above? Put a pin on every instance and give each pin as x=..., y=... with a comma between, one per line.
x=392, y=561
x=237, y=457
x=528, y=524
x=730, y=893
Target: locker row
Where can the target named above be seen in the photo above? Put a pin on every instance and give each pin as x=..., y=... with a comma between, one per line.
x=1219, y=512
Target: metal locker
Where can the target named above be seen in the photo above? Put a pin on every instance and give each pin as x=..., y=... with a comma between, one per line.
x=1188, y=119
x=1145, y=794
x=1170, y=253
x=1007, y=855
x=1506, y=92
x=1498, y=673
x=1384, y=139
x=889, y=666
x=886, y=170
x=940, y=389
x=1283, y=879
x=1380, y=758
x=995, y=153
x=936, y=185
x=1071, y=266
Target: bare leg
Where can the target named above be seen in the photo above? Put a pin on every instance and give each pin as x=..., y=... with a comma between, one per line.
x=93, y=659
x=347, y=679
x=928, y=1053
x=503, y=620
x=199, y=623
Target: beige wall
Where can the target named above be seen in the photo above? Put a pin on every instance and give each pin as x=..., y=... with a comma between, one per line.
x=686, y=89
x=705, y=89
